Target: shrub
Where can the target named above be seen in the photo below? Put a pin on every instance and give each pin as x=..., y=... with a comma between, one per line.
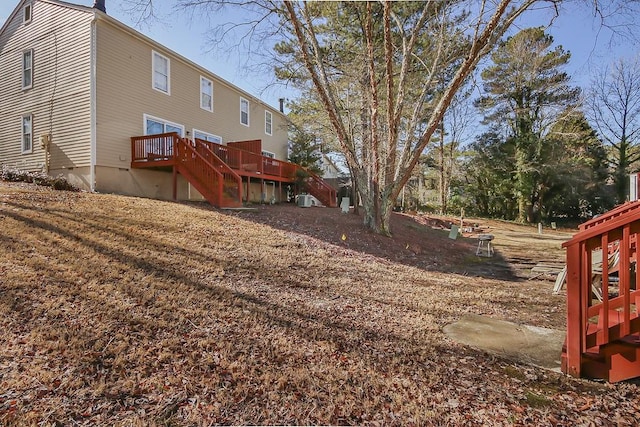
x=39, y=178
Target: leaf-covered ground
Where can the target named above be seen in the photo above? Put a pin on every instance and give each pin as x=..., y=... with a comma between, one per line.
x=127, y=311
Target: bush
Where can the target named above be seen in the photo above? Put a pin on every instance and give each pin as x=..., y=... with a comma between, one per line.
x=39, y=178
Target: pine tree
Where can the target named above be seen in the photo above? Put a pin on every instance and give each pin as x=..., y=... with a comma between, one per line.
x=527, y=92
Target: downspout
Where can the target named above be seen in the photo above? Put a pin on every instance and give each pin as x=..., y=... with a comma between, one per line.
x=92, y=161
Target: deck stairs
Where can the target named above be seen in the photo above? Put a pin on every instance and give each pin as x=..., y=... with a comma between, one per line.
x=219, y=171
x=603, y=328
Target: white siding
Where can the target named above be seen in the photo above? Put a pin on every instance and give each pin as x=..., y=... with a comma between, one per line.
x=60, y=97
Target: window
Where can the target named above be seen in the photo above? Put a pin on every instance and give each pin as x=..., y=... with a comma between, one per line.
x=27, y=69
x=206, y=94
x=268, y=120
x=207, y=136
x=244, y=111
x=26, y=13
x=27, y=134
x=154, y=125
x=269, y=154
x=161, y=70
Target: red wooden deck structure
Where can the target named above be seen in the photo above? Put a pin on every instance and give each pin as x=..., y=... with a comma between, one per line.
x=219, y=172
x=603, y=337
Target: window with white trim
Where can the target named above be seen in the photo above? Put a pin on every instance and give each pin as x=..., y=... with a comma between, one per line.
x=26, y=13
x=27, y=134
x=161, y=72
x=154, y=125
x=206, y=94
x=244, y=111
x=268, y=122
x=27, y=69
x=269, y=154
x=207, y=136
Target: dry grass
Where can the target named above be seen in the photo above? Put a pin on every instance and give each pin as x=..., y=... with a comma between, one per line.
x=126, y=311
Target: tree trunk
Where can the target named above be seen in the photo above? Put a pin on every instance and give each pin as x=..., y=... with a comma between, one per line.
x=441, y=181
x=377, y=211
x=620, y=177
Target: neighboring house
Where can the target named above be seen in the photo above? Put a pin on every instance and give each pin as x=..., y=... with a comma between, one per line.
x=77, y=84
x=335, y=172
x=329, y=167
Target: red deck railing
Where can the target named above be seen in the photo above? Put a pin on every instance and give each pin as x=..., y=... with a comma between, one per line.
x=153, y=147
x=222, y=182
x=229, y=161
x=603, y=337
x=252, y=164
x=213, y=178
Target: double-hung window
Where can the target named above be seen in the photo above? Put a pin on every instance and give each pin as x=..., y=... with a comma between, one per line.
x=27, y=134
x=206, y=94
x=244, y=112
x=268, y=123
x=161, y=72
x=27, y=69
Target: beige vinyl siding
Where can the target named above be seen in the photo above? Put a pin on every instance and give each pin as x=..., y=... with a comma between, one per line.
x=124, y=93
x=60, y=97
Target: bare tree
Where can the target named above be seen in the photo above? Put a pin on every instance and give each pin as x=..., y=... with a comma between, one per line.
x=398, y=137
x=614, y=108
x=402, y=48
x=453, y=129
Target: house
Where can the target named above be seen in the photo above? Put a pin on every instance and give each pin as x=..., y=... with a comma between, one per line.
x=78, y=87
x=335, y=172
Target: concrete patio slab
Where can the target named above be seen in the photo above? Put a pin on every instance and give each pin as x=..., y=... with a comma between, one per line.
x=522, y=343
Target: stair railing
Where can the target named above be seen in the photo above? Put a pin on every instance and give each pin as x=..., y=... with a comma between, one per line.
x=596, y=328
x=203, y=170
x=232, y=182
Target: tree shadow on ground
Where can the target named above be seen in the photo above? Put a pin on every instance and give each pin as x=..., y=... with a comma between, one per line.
x=422, y=245
x=131, y=297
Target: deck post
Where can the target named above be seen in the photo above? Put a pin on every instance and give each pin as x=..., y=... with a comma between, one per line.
x=574, y=311
x=175, y=168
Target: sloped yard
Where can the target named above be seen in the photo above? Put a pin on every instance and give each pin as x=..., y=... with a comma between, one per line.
x=127, y=311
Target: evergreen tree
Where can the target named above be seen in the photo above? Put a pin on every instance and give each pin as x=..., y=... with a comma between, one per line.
x=527, y=92
x=385, y=74
x=304, y=149
x=576, y=172
x=488, y=172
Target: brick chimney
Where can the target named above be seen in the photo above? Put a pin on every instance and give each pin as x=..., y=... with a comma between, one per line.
x=99, y=4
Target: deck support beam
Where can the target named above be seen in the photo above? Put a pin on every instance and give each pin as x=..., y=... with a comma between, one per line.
x=175, y=182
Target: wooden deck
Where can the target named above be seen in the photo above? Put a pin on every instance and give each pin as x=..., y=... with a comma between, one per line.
x=219, y=171
x=603, y=334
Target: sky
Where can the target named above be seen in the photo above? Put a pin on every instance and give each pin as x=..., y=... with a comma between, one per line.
x=591, y=45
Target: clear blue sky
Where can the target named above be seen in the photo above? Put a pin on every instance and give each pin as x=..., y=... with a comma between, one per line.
x=576, y=30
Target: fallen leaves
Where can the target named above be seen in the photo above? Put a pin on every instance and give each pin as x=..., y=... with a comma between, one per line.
x=117, y=310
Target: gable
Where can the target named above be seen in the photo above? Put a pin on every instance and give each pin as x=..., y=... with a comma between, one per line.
x=58, y=40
